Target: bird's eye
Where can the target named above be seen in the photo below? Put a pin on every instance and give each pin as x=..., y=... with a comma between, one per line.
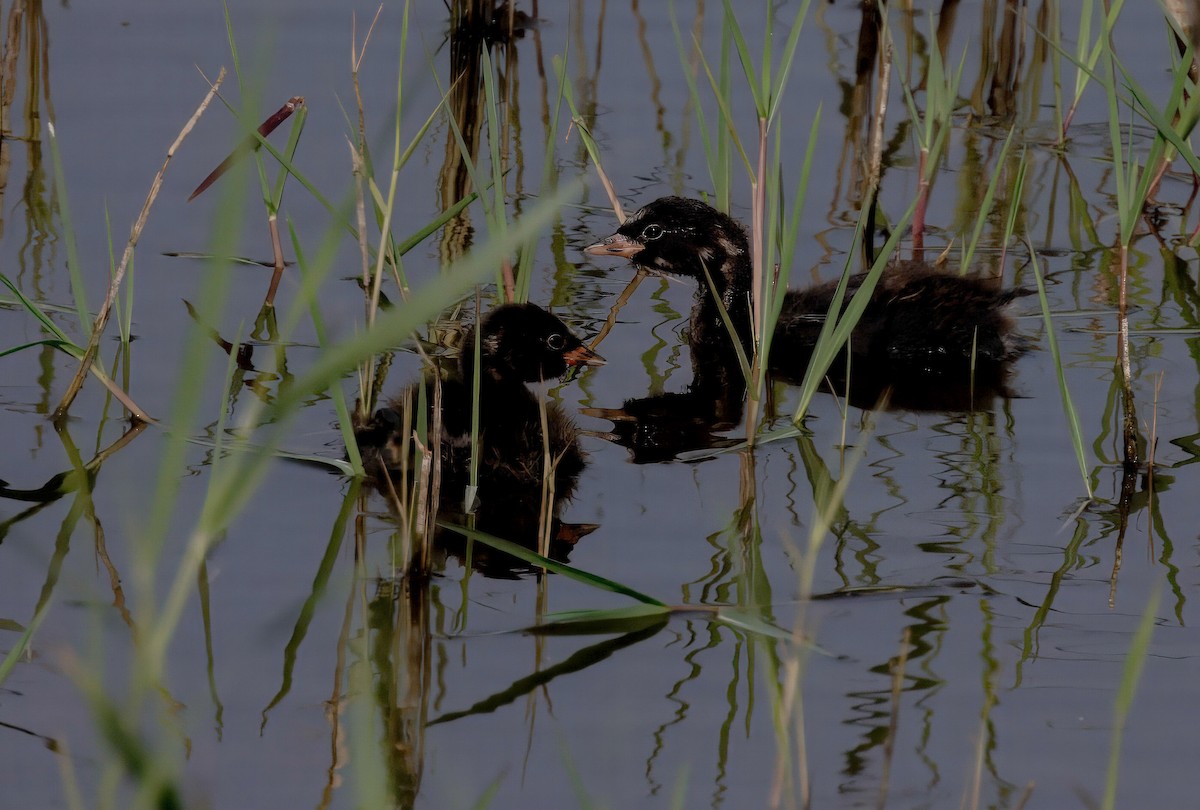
x=652, y=232
x=556, y=342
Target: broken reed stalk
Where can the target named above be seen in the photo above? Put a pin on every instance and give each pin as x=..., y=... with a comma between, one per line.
x=277, y=254
x=251, y=143
x=135, y=234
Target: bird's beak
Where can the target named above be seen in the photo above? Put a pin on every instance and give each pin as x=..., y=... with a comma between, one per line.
x=582, y=356
x=615, y=245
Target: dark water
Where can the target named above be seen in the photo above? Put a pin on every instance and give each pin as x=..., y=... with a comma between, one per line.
x=959, y=529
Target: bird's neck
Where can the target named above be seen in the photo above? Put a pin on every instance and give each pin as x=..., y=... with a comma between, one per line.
x=732, y=279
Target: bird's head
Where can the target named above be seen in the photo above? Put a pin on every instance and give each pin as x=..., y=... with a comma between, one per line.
x=525, y=342
x=681, y=236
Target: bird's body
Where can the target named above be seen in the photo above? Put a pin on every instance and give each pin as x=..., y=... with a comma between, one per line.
x=925, y=341
x=519, y=344
x=918, y=317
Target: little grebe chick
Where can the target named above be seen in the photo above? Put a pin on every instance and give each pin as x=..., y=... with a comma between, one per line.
x=918, y=319
x=519, y=344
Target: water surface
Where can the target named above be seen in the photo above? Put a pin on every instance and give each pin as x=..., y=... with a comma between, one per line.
x=961, y=530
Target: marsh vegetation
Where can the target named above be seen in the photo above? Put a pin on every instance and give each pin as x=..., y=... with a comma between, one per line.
x=736, y=564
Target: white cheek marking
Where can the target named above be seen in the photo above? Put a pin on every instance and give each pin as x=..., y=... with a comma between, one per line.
x=728, y=246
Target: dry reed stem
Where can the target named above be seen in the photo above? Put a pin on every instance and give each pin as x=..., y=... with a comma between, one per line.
x=358, y=170
x=617, y=306
x=424, y=516
x=1025, y=796
x=609, y=189
x=1131, y=451
x=757, y=230
x=358, y=159
x=1129, y=420
x=102, y=317
x=366, y=372
x=875, y=167
x=510, y=283
x=277, y=254
x=431, y=481
x=356, y=59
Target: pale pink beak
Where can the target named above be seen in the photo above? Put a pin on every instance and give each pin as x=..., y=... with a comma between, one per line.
x=615, y=245
x=582, y=356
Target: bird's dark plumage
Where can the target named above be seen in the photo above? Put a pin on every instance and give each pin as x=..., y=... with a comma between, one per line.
x=518, y=344
x=926, y=340
x=918, y=318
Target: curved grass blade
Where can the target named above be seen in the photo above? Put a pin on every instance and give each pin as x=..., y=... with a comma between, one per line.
x=611, y=620
x=51, y=342
x=1068, y=405
x=533, y=558
x=750, y=621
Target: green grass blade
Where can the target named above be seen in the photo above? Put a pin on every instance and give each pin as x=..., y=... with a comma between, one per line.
x=65, y=346
x=989, y=196
x=751, y=622
x=36, y=311
x=730, y=329
x=710, y=155
x=492, y=105
x=776, y=293
x=533, y=558
x=74, y=265
x=753, y=81
x=1068, y=406
x=338, y=395
x=785, y=65
x=290, y=150
x=613, y=620
x=835, y=332
x=727, y=117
